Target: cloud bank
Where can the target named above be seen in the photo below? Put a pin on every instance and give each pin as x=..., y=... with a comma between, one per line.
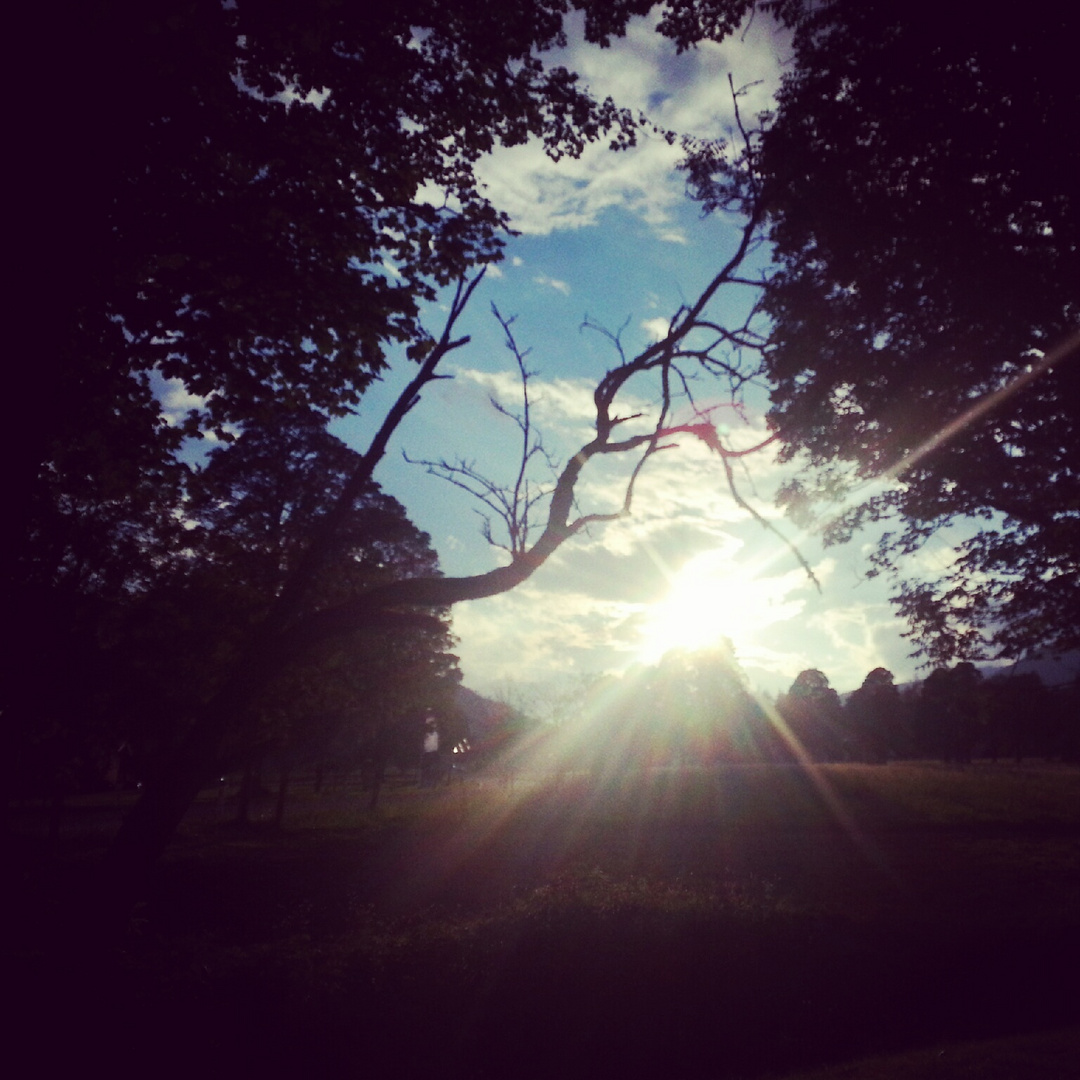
x=687, y=93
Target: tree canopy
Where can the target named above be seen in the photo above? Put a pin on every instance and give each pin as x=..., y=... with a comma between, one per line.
x=141, y=666
x=873, y=714
x=280, y=185
x=254, y=200
x=811, y=711
x=919, y=183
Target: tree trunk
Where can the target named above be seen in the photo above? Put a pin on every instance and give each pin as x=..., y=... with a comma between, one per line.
x=151, y=823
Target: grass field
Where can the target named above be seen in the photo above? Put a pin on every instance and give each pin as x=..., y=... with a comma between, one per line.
x=901, y=920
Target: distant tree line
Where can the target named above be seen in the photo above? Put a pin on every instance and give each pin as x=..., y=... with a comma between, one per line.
x=698, y=708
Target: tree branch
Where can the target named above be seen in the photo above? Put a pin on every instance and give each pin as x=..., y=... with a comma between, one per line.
x=289, y=602
x=513, y=504
x=563, y=522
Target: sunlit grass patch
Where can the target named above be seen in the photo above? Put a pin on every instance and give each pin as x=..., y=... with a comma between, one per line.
x=930, y=793
x=721, y=797
x=771, y=796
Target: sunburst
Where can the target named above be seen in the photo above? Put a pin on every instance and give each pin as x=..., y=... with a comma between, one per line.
x=713, y=597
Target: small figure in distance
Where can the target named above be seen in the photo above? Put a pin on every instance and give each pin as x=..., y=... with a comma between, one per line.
x=429, y=760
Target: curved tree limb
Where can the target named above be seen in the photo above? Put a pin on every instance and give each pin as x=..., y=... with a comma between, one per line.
x=287, y=631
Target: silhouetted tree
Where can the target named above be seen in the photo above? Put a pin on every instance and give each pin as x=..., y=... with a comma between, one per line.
x=1019, y=717
x=952, y=712
x=693, y=707
x=918, y=177
x=873, y=715
x=254, y=508
x=167, y=648
x=725, y=720
x=101, y=527
x=1065, y=721
x=811, y=709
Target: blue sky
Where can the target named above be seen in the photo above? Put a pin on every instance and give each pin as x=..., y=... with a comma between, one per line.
x=612, y=238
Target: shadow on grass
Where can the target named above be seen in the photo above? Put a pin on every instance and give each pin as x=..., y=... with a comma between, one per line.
x=700, y=926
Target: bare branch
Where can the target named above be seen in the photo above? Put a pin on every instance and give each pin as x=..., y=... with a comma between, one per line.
x=764, y=522
x=694, y=344
x=512, y=504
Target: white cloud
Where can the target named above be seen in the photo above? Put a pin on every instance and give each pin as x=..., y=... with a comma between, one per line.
x=672, y=236
x=657, y=328
x=565, y=633
x=846, y=641
x=686, y=93
x=177, y=400
x=552, y=283
x=561, y=404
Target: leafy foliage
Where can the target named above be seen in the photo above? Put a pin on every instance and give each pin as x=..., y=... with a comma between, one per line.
x=280, y=185
x=149, y=663
x=690, y=708
x=952, y=711
x=256, y=505
x=1022, y=716
x=919, y=180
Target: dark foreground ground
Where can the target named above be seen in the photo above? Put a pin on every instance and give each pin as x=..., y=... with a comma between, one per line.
x=874, y=921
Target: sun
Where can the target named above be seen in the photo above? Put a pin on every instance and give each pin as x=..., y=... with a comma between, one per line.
x=714, y=597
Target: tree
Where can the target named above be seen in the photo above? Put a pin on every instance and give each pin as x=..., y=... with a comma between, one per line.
x=253, y=508
x=696, y=707
x=874, y=718
x=278, y=189
x=952, y=713
x=691, y=708
x=918, y=178
x=811, y=710
x=147, y=666
x=1019, y=716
